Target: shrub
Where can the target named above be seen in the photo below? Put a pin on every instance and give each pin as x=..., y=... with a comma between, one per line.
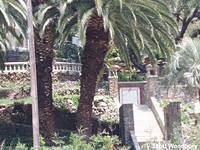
x=130, y=76
x=103, y=141
x=72, y=141
x=61, y=101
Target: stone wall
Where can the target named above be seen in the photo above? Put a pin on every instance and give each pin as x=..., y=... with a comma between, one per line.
x=150, y=88
x=17, y=120
x=15, y=77
x=67, y=76
x=113, y=86
x=21, y=77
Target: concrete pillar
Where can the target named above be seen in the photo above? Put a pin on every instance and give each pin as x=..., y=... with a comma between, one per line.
x=172, y=117
x=126, y=123
x=113, y=85
x=151, y=78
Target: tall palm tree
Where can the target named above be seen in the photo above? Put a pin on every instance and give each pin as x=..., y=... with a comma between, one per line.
x=44, y=34
x=143, y=26
x=12, y=16
x=46, y=13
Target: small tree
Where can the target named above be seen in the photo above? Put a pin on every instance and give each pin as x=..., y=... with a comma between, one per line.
x=186, y=63
x=186, y=12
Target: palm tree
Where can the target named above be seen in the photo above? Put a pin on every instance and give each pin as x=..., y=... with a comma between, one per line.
x=12, y=24
x=143, y=27
x=13, y=15
x=46, y=14
x=44, y=34
x=185, y=65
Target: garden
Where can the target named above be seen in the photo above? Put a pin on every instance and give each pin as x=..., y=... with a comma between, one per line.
x=64, y=66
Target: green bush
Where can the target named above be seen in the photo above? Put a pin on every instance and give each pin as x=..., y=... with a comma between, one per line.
x=164, y=102
x=60, y=101
x=72, y=141
x=16, y=143
x=130, y=76
x=70, y=51
x=100, y=141
x=185, y=115
x=103, y=142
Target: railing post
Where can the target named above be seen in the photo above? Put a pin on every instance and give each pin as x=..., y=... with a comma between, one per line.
x=172, y=117
x=151, y=78
x=57, y=67
x=126, y=123
x=14, y=67
x=6, y=68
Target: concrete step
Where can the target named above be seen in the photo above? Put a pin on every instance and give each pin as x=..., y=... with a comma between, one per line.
x=146, y=126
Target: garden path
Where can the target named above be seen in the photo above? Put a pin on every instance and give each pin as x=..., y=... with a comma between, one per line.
x=146, y=126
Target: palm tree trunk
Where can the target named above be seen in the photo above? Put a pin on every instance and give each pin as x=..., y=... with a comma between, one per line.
x=97, y=44
x=44, y=58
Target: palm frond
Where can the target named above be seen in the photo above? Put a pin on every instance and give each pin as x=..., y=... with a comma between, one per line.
x=187, y=61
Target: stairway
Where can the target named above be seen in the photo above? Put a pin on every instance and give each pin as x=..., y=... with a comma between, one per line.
x=146, y=126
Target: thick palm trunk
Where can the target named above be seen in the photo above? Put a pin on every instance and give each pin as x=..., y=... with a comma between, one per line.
x=97, y=44
x=44, y=57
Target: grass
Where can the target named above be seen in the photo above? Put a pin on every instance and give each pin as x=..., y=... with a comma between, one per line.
x=12, y=85
x=7, y=101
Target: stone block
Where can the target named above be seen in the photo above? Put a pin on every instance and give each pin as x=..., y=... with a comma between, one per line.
x=126, y=123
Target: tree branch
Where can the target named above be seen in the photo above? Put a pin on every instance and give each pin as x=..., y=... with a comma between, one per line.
x=185, y=24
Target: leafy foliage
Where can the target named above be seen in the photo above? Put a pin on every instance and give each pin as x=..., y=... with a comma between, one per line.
x=71, y=141
x=142, y=26
x=185, y=115
x=70, y=51
x=183, y=7
x=185, y=63
x=60, y=101
x=13, y=15
x=12, y=24
x=187, y=16
x=130, y=76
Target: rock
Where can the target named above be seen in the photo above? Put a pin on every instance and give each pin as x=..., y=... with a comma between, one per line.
x=96, y=103
x=105, y=109
x=101, y=91
x=2, y=107
x=73, y=108
x=102, y=104
x=66, y=88
x=69, y=102
x=99, y=98
x=20, y=93
x=4, y=93
x=101, y=109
